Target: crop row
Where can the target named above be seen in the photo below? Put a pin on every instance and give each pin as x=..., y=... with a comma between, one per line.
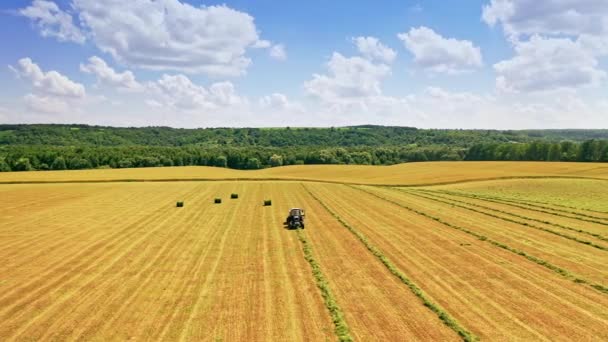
x=444, y=316
x=526, y=206
x=524, y=224
x=561, y=271
x=337, y=315
x=557, y=225
x=527, y=201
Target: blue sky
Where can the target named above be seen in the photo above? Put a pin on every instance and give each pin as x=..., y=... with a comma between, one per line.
x=504, y=64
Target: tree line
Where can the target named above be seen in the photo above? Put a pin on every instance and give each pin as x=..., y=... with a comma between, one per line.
x=367, y=135
x=587, y=151
x=73, y=147
x=26, y=158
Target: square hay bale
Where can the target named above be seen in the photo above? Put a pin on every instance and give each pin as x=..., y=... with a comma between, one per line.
x=267, y=203
x=217, y=201
x=234, y=196
x=179, y=204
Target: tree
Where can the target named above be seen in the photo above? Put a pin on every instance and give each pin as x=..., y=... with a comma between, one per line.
x=58, y=164
x=22, y=164
x=4, y=167
x=125, y=163
x=79, y=164
x=555, y=153
x=221, y=161
x=253, y=164
x=275, y=160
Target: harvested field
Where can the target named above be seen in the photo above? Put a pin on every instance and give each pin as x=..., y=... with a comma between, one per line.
x=401, y=174
x=475, y=260
x=581, y=195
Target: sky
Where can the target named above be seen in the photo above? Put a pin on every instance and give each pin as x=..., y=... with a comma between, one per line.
x=485, y=64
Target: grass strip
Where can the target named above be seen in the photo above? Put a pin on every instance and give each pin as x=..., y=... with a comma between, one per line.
x=444, y=316
x=557, y=225
x=337, y=315
x=527, y=206
x=563, y=272
x=528, y=201
x=524, y=224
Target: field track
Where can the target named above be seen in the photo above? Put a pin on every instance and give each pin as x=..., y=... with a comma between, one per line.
x=118, y=260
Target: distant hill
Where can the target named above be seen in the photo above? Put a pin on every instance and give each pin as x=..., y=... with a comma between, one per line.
x=365, y=135
x=60, y=147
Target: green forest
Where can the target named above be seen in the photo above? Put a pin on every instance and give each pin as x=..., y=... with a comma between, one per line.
x=71, y=147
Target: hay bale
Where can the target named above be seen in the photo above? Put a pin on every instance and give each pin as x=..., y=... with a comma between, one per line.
x=217, y=201
x=234, y=196
x=179, y=204
x=267, y=203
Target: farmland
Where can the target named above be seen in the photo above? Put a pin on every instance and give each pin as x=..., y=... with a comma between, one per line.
x=432, y=251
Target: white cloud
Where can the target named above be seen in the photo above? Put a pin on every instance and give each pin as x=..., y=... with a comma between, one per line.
x=528, y=17
x=353, y=77
x=280, y=103
x=179, y=92
x=52, y=82
x=52, y=21
x=543, y=64
x=372, y=49
x=278, y=52
x=438, y=54
x=171, y=35
x=105, y=74
x=45, y=104
x=262, y=44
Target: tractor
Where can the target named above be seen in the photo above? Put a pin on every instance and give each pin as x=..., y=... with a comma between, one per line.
x=295, y=219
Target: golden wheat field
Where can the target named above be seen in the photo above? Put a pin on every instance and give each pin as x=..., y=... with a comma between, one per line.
x=474, y=251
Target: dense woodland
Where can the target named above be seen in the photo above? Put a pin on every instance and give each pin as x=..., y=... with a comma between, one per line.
x=61, y=147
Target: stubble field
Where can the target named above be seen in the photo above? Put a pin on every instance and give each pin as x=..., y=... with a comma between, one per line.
x=503, y=259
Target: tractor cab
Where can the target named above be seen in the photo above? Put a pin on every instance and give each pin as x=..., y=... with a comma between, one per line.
x=296, y=218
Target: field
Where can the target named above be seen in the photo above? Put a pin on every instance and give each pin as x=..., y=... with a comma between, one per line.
x=493, y=251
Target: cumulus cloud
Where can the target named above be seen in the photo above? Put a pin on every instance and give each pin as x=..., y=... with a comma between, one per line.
x=372, y=49
x=52, y=82
x=278, y=52
x=52, y=21
x=171, y=35
x=542, y=64
x=528, y=17
x=438, y=54
x=106, y=75
x=280, y=103
x=179, y=92
x=557, y=43
x=52, y=92
x=352, y=77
